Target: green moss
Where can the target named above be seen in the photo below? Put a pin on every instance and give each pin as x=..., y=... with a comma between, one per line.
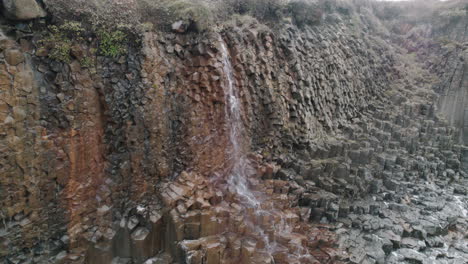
x=59, y=40
x=61, y=51
x=112, y=43
x=87, y=62
x=72, y=27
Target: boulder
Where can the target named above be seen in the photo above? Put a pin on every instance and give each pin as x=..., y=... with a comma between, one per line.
x=14, y=56
x=7, y=44
x=22, y=9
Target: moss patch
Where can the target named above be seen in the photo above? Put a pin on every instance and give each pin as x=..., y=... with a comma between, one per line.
x=112, y=43
x=59, y=40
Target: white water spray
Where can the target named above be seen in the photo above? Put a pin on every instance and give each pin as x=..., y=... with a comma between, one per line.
x=241, y=167
x=2, y=35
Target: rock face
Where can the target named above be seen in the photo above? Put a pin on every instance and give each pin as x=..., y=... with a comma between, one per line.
x=22, y=9
x=125, y=161
x=449, y=41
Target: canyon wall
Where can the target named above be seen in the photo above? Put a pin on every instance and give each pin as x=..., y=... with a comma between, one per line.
x=91, y=153
x=440, y=44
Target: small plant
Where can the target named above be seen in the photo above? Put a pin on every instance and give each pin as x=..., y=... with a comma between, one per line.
x=72, y=28
x=87, y=62
x=60, y=39
x=112, y=43
x=61, y=51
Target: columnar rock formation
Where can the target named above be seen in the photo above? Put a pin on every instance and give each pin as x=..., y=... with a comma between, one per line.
x=354, y=135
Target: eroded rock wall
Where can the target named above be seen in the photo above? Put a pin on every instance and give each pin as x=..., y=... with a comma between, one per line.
x=442, y=47
x=91, y=153
x=103, y=137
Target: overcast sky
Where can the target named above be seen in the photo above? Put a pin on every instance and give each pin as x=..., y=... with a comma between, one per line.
x=402, y=0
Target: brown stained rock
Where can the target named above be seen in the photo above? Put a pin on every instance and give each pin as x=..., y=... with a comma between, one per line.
x=209, y=224
x=78, y=51
x=19, y=114
x=156, y=234
x=215, y=220
x=181, y=208
x=169, y=197
x=213, y=253
x=14, y=56
x=23, y=80
x=203, y=143
x=196, y=257
x=7, y=44
x=234, y=246
x=26, y=45
x=192, y=230
x=178, y=225
x=248, y=247
x=4, y=111
x=180, y=190
x=5, y=81
x=201, y=203
x=261, y=258
x=100, y=253
x=141, y=246
x=191, y=245
x=75, y=66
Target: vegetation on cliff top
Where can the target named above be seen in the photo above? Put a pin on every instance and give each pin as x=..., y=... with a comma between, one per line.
x=113, y=25
x=203, y=15
x=62, y=43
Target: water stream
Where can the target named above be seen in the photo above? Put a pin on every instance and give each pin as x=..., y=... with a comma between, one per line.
x=2, y=34
x=241, y=168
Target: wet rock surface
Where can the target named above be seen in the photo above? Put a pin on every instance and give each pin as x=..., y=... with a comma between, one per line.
x=353, y=158
x=213, y=225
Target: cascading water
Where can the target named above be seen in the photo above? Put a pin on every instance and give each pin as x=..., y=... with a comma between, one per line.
x=241, y=166
x=241, y=169
x=2, y=35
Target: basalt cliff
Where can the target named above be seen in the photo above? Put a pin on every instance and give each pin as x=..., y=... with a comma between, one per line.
x=333, y=136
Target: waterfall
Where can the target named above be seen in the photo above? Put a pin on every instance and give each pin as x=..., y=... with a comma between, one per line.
x=241, y=167
x=2, y=35
x=241, y=170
